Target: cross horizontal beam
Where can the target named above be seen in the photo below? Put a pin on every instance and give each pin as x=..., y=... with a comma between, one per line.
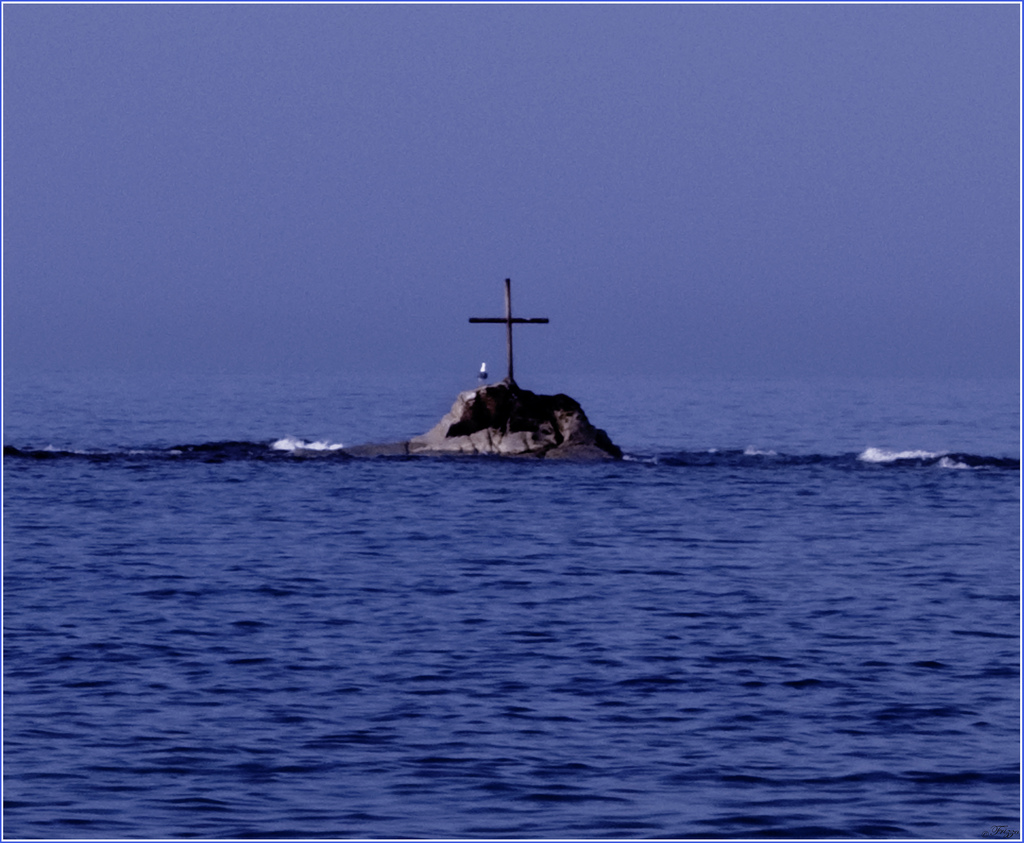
x=502, y=319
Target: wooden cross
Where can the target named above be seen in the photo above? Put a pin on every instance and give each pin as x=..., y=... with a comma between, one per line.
x=508, y=320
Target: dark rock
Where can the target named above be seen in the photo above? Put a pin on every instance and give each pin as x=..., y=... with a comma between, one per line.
x=504, y=419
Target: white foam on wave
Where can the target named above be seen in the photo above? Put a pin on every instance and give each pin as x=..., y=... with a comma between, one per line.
x=751, y=451
x=645, y=460
x=946, y=462
x=53, y=449
x=885, y=455
x=290, y=443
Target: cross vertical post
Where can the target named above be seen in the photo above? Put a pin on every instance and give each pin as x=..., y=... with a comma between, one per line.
x=508, y=325
x=509, y=321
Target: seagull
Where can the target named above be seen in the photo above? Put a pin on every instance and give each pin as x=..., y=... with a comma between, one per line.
x=483, y=372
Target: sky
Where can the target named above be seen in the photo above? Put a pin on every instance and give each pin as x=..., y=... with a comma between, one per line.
x=726, y=190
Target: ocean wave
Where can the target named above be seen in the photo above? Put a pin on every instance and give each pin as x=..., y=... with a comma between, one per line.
x=294, y=448
x=938, y=459
x=220, y=451
x=870, y=458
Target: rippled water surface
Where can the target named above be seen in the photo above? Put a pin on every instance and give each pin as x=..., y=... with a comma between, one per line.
x=779, y=617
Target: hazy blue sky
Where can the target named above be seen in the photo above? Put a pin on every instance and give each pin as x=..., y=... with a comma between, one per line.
x=748, y=189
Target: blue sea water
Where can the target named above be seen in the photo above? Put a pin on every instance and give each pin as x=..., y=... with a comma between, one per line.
x=792, y=611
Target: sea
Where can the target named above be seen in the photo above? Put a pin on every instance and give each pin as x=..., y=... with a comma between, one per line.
x=791, y=612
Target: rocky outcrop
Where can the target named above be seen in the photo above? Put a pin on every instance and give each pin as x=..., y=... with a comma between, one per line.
x=505, y=420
